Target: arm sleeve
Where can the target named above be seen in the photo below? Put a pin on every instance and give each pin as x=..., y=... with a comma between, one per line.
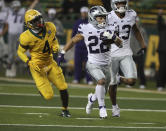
x=23, y=47
x=55, y=47
x=21, y=53
x=134, y=15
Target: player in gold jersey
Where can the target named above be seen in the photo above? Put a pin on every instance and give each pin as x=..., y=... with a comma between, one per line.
x=40, y=39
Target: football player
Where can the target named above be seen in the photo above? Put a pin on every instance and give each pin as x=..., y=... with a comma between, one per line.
x=42, y=44
x=15, y=22
x=125, y=20
x=95, y=33
x=3, y=31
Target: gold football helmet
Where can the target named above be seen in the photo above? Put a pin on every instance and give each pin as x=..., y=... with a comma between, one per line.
x=34, y=20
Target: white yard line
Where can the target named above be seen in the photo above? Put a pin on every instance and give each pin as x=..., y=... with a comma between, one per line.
x=141, y=123
x=36, y=113
x=76, y=96
x=16, y=80
x=17, y=85
x=79, y=126
x=77, y=85
x=77, y=108
x=88, y=118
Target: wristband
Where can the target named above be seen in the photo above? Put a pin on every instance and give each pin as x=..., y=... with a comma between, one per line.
x=63, y=51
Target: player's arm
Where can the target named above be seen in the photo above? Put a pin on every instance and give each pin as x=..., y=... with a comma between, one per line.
x=111, y=38
x=21, y=53
x=55, y=45
x=73, y=41
x=139, y=37
x=68, y=46
x=5, y=29
x=22, y=48
x=34, y=3
x=118, y=42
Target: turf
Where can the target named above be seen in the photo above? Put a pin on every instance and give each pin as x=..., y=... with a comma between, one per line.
x=23, y=109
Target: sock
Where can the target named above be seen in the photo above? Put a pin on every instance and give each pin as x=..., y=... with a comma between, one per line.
x=64, y=98
x=93, y=98
x=115, y=106
x=100, y=93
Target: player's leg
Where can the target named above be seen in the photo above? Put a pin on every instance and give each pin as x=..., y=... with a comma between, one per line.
x=56, y=76
x=43, y=84
x=113, y=86
x=107, y=73
x=140, y=70
x=85, y=59
x=10, y=55
x=128, y=67
x=3, y=49
x=97, y=73
x=161, y=73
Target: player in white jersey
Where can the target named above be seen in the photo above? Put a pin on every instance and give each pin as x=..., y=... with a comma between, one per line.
x=15, y=22
x=3, y=31
x=94, y=33
x=125, y=20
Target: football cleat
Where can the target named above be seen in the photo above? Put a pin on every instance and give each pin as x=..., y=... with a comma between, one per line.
x=90, y=83
x=116, y=112
x=89, y=106
x=160, y=88
x=75, y=81
x=102, y=112
x=142, y=86
x=65, y=113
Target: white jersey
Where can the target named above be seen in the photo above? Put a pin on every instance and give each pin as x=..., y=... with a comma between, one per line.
x=3, y=19
x=98, y=52
x=124, y=27
x=16, y=21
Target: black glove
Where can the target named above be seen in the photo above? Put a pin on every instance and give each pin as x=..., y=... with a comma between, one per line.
x=142, y=51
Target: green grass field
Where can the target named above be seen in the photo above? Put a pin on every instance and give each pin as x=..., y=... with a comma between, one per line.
x=23, y=109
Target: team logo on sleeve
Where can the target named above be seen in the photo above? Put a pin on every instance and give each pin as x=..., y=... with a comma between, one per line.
x=49, y=32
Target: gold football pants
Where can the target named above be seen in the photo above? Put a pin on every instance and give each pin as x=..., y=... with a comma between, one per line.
x=52, y=73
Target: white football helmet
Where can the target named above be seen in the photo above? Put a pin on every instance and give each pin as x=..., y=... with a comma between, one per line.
x=97, y=11
x=16, y=4
x=51, y=13
x=121, y=9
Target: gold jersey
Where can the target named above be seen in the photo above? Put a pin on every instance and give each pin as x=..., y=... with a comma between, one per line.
x=41, y=47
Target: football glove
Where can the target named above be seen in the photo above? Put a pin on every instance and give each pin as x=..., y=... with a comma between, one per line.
x=60, y=57
x=142, y=51
x=34, y=66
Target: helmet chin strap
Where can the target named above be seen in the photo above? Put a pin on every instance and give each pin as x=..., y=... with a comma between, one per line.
x=121, y=10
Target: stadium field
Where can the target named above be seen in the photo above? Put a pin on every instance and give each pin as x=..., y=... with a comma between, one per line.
x=23, y=109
